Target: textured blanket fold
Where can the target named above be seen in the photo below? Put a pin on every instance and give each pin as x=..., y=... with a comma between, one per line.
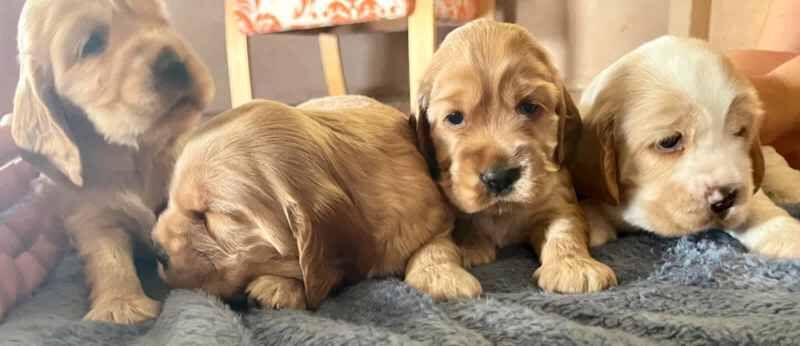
x=696, y=290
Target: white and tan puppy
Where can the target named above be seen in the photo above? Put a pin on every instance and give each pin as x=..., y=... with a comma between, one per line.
x=670, y=145
x=106, y=88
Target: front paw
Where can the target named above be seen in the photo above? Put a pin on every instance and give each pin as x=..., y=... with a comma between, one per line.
x=574, y=274
x=777, y=237
x=124, y=310
x=782, y=245
x=445, y=282
x=278, y=292
x=477, y=254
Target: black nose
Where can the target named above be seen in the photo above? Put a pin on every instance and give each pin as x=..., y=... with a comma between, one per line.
x=170, y=71
x=500, y=180
x=726, y=199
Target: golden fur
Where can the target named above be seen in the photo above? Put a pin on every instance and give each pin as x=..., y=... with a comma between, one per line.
x=95, y=114
x=285, y=203
x=484, y=71
x=678, y=86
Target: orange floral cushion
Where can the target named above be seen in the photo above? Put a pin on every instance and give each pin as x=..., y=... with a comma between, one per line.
x=267, y=16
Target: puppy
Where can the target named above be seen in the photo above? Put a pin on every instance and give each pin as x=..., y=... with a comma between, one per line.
x=670, y=146
x=496, y=125
x=105, y=89
x=285, y=203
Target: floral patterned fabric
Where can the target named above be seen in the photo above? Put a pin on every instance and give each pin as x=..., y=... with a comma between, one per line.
x=268, y=16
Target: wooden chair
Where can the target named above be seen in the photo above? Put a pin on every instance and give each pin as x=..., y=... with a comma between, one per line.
x=250, y=17
x=690, y=18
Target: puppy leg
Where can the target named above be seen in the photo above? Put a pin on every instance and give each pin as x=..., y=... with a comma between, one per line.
x=566, y=265
x=117, y=294
x=476, y=248
x=436, y=269
x=770, y=230
x=278, y=292
x=601, y=230
x=780, y=180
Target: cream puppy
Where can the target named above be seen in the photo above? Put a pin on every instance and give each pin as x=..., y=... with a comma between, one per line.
x=106, y=89
x=670, y=145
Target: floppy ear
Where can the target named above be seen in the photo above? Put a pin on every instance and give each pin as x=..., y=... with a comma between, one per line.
x=757, y=159
x=569, y=129
x=422, y=130
x=333, y=244
x=594, y=171
x=39, y=127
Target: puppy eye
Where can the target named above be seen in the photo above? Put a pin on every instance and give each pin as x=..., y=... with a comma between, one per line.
x=670, y=144
x=742, y=132
x=528, y=109
x=455, y=118
x=96, y=44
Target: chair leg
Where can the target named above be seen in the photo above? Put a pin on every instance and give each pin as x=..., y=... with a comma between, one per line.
x=690, y=18
x=332, y=64
x=421, y=45
x=488, y=9
x=238, y=59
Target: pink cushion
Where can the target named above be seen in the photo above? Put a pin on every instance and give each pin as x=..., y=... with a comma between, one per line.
x=268, y=16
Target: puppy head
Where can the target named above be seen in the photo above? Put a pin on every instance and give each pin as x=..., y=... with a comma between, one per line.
x=198, y=248
x=113, y=64
x=495, y=122
x=671, y=135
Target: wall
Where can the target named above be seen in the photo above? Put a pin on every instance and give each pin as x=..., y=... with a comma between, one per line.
x=583, y=36
x=9, y=69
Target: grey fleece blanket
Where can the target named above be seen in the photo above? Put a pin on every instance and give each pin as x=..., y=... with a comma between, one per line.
x=696, y=290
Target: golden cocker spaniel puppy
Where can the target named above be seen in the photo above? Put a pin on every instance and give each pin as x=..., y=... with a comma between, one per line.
x=106, y=87
x=670, y=146
x=285, y=203
x=497, y=127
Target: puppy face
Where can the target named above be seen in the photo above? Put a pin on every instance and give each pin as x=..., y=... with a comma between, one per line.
x=175, y=236
x=201, y=248
x=679, y=127
x=497, y=114
x=190, y=253
x=210, y=237
x=115, y=63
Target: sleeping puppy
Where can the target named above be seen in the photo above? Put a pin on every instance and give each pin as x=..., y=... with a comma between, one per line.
x=106, y=87
x=670, y=146
x=286, y=203
x=496, y=125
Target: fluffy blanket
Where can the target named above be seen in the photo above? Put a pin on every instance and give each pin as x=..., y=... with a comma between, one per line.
x=696, y=290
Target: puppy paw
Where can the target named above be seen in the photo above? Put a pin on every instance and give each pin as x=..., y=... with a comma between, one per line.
x=601, y=231
x=124, y=310
x=278, y=292
x=445, y=282
x=777, y=237
x=783, y=244
x=477, y=254
x=781, y=250
x=574, y=274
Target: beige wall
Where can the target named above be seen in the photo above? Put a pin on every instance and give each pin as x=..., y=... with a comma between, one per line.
x=584, y=36
x=9, y=70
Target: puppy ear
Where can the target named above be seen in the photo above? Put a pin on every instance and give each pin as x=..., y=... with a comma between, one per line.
x=569, y=129
x=757, y=159
x=422, y=130
x=595, y=172
x=39, y=127
x=334, y=245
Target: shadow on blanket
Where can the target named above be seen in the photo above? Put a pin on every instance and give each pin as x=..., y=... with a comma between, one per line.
x=702, y=289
